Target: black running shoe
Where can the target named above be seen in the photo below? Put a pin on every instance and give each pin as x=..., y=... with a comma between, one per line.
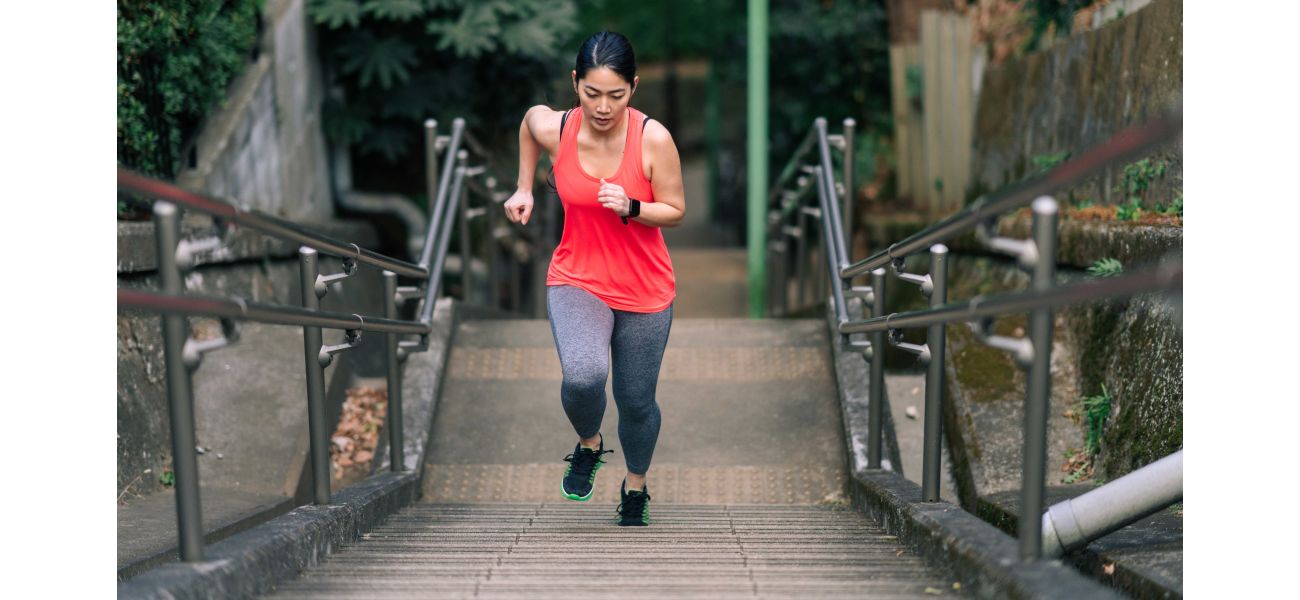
x=634, y=510
x=580, y=478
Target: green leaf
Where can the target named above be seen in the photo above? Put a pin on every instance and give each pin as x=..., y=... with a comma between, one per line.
x=1106, y=267
x=470, y=36
x=335, y=13
x=388, y=58
x=395, y=10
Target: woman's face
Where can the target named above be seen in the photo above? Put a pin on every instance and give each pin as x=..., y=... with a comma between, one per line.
x=603, y=94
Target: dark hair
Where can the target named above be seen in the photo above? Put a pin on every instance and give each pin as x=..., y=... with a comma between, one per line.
x=606, y=49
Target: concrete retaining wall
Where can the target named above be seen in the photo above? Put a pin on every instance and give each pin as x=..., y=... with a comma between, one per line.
x=264, y=146
x=1079, y=92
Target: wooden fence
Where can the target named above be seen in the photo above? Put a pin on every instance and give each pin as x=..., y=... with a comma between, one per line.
x=934, y=110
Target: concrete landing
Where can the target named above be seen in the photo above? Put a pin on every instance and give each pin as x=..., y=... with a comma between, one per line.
x=569, y=550
x=146, y=527
x=749, y=413
x=1144, y=560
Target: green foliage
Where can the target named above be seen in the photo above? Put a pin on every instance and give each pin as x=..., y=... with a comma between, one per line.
x=398, y=62
x=1095, y=409
x=1083, y=203
x=175, y=59
x=914, y=83
x=1139, y=175
x=1078, y=473
x=845, y=44
x=1174, y=208
x=1045, y=162
x=167, y=478
x=1130, y=211
x=1106, y=267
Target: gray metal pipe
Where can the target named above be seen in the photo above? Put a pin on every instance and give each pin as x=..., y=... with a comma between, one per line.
x=396, y=444
x=180, y=393
x=318, y=436
x=438, y=203
x=1124, y=146
x=932, y=453
x=849, y=196
x=1073, y=523
x=439, y=258
x=1166, y=276
x=875, y=414
x=235, y=308
x=264, y=223
x=390, y=204
x=1038, y=394
x=832, y=259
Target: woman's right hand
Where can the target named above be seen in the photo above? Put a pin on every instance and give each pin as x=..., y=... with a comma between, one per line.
x=520, y=207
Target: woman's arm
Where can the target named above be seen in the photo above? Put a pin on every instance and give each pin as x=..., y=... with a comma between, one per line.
x=539, y=130
x=663, y=166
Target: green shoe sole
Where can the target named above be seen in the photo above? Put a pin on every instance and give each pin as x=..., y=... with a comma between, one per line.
x=575, y=496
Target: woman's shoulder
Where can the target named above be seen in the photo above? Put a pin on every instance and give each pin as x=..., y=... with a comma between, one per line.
x=544, y=123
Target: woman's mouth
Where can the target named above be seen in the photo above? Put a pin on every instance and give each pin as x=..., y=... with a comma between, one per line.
x=603, y=121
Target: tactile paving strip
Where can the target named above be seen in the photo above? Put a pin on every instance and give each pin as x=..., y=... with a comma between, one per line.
x=679, y=364
x=488, y=483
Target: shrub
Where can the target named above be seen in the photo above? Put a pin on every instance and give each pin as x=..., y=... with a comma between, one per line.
x=175, y=59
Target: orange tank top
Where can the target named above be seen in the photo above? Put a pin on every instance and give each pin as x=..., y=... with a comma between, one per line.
x=626, y=266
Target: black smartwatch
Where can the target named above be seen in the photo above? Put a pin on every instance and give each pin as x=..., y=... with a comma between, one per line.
x=633, y=209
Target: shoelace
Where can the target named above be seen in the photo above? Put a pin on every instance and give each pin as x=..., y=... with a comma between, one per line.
x=635, y=505
x=584, y=462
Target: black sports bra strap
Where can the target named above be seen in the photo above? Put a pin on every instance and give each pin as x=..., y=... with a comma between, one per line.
x=564, y=117
x=645, y=122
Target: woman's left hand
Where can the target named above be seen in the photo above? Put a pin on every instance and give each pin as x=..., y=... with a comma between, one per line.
x=613, y=197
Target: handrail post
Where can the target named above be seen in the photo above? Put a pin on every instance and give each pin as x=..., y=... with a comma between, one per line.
x=466, y=275
x=309, y=269
x=396, y=445
x=875, y=410
x=832, y=255
x=935, y=338
x=849, y=125
x=180, y=393
x=431, y=165
x=1039, y=385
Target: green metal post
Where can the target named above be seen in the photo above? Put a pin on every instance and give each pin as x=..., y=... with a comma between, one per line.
x=757, y=155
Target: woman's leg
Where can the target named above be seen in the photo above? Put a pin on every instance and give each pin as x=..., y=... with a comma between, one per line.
x=637, y=349
x=581, y=324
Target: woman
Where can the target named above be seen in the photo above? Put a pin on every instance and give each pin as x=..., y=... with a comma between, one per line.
x=610, y=286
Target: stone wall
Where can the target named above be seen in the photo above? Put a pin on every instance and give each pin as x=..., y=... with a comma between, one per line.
x=264, y=146
x=1079, y=92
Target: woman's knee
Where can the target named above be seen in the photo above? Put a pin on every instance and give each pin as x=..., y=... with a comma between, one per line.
x=585, y=379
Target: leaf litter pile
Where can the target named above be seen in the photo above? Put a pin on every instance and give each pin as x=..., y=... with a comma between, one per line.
x=352, y=447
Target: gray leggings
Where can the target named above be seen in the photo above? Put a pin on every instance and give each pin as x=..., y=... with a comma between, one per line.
x=587, y=332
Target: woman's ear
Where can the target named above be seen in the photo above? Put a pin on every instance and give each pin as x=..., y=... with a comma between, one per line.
x=574, y=76
x=635, y=80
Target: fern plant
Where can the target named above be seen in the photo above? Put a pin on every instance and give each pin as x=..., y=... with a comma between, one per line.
x=1106, y=267
x=395, y=63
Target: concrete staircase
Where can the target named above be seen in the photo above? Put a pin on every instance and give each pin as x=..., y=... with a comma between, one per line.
x=553, y=550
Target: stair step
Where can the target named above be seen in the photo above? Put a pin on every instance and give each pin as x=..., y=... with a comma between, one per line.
x=689, y=551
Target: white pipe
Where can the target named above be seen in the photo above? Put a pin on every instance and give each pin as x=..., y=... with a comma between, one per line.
x=1073, y=523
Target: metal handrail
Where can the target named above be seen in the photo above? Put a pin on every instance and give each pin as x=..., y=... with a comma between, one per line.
x=213, y=306
x=1166, y=275
x=1037, y=254
x=1126, y=145
x=182, y=355
x=262, y=222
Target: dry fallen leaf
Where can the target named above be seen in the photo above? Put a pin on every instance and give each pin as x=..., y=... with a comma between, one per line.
x=1109, y=569
x=934, y=591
